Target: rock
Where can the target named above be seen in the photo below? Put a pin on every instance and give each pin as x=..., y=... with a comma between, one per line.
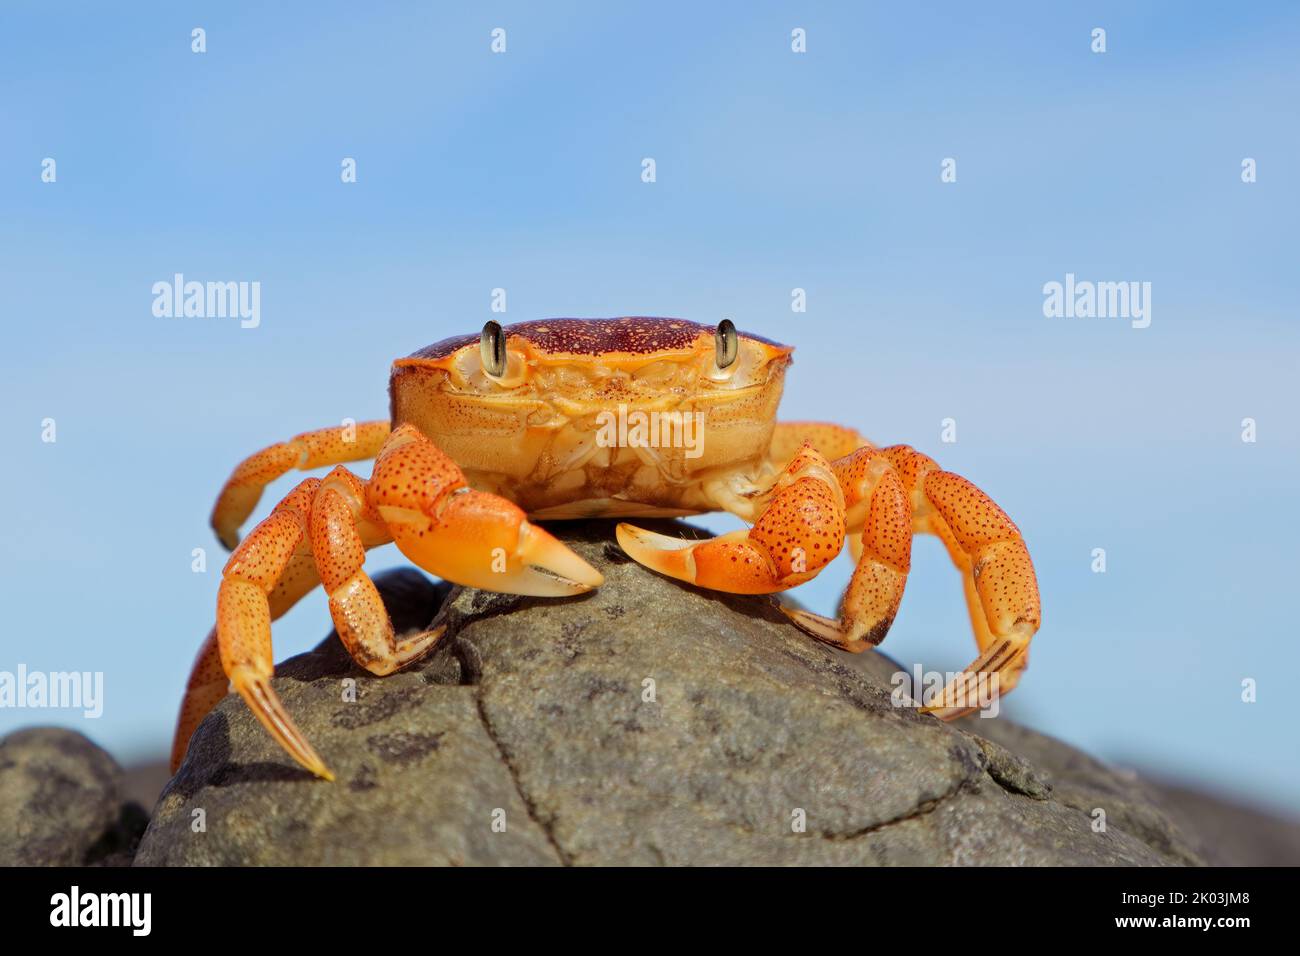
x=60, y=802
x=143, y=782
x=648, y=722
x=1228, y=833
x=1088, y=785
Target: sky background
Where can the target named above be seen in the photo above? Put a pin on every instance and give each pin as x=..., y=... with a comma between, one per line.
x=775, y=170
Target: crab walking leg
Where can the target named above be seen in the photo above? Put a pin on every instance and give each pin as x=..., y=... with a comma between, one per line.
x=833, y=441
x=337, y=514
x=465, y=536
x=244, y=617
x=208, y=683
x=879, y=517
x=206, y=687
x=316, y=449
x=998, y=577
x=798, y=534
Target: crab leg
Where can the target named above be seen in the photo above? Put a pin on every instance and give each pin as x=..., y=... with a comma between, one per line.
x=319, y=534
x=462, y=535
x=206, y=687
x=358, y=611
x=833, y=441
x=879, y=517
x=322, y=523
x=884, y=496
x=244, y=618
x=798, y=534
x=208, y=683
x=327, y=446
x=997, y=572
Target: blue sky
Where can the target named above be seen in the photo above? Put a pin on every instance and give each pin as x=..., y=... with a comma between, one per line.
x=774, y=170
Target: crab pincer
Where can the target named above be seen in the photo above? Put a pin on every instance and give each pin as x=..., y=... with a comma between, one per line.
x=799, y=533
x=470, y=537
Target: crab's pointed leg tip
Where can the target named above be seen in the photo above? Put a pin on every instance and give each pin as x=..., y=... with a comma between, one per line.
x=946, y=713
x=822, y=628
x=658, y=552
x=990, y=676
x=267, y=707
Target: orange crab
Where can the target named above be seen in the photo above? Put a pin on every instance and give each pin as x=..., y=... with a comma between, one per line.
x=569, y=418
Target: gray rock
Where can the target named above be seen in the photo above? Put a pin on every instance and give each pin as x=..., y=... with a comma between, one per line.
x=60, y=802
x=645, y=723
x=1226, y=832
x=143, y=782
x=1118, y=797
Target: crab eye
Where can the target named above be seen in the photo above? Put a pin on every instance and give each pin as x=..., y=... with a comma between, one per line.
x=728, y=343
x=492, y=348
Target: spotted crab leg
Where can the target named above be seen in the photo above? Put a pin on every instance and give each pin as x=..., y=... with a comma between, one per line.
x=833, y=441
x=799, y=533
x=908, y=493
x=208, y=683
x=466, y=536
x=315, y=449
x=884, y=496
x=244, y=617
x=339, y=513
x=206, y=687
x=997, y=574
x=320, y=532
x=879, y=518
x=330, y=523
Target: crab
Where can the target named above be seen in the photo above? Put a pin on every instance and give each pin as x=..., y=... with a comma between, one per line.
x=565, y=418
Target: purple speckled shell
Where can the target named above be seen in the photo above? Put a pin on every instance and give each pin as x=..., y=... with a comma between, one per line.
x=631, y=334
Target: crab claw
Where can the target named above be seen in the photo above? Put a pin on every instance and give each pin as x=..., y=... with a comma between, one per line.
x=732, y=562
x=799, y=532
x=695, y=562
x=483, y=541
x=466, y=536
x=674, y=557
x=547, y=567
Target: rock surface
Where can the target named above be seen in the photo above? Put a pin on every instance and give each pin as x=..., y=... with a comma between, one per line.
x=1228, y=833
x=61, y=803
x=648, y=722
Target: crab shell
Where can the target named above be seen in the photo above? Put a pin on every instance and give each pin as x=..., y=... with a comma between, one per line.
x=613, y=417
